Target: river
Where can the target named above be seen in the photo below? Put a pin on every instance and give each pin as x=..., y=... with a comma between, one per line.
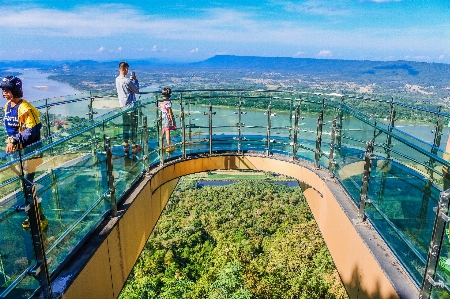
x=37, y=86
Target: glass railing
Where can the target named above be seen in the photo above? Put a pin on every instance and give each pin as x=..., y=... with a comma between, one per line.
x=395, y=178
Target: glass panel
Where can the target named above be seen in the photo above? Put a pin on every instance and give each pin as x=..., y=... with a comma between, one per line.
x=25, y=288
x=16, y=253
x=196, y=122
x=254, y=122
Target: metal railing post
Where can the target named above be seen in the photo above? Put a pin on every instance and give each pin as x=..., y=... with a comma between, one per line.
x=363, y=200
x=390, y=128
x=269, y=112
x=183, y=132
x=210, y=113
x=40, y=271
x=438, y=126
x=34, y=216
x=145, y=142
x=190, y=120
x=157, y=116
x=339, y=124
x=317, y=151
x=47, y=131
x=110, y=176
x=331, y=156
x=434, y=250
x=91, y=112
x=291, y=106
x=294, y=143
x=161, y=141
x=239, y=124
x=90, y=115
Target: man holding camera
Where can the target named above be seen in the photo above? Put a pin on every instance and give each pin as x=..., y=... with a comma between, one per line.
x=127, y=88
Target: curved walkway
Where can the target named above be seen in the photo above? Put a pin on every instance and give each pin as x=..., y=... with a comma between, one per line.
x=366, y=265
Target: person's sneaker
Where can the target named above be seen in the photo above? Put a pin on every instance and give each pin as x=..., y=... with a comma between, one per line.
x=26, y=224
x=43, y=222
x=170, y=149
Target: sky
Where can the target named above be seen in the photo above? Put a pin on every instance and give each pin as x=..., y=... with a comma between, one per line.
x=194, y=30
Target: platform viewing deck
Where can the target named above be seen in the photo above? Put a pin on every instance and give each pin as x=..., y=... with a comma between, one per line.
x=394, y=172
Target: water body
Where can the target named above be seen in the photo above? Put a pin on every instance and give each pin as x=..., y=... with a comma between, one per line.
x=37, y=86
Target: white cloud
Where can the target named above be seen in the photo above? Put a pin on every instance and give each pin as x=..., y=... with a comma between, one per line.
x=325, y=53
x=299, y=53
x=441, y=57
x=422, y=57
x=154, y=49
x=194, y=50
x=101, y=49
x=84, y=21
x=28, y=51
x=119, y=49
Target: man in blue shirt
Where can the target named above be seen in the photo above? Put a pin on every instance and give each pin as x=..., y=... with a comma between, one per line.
x=23, y=127
x=127, y=88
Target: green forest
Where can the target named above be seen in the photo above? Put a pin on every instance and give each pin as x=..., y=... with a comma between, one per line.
x=251, y=239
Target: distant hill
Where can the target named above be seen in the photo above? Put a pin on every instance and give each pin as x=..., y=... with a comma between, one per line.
x=417, y=81
x=436, y=74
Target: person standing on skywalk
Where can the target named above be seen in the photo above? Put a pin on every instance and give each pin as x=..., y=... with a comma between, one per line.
x=23, y=128
x=127, y=88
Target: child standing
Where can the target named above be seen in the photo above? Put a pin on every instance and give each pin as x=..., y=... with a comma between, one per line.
x=168, y=120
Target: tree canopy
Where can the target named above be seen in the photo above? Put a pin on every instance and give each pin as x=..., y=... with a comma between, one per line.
x=251, y=239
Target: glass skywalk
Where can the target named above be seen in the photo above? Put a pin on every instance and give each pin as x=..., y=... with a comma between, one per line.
x=82, y=170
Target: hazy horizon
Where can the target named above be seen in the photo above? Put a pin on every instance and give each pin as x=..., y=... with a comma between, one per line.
x=180, y=61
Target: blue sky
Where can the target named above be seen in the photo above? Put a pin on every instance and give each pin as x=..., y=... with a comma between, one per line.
x=193, y=30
